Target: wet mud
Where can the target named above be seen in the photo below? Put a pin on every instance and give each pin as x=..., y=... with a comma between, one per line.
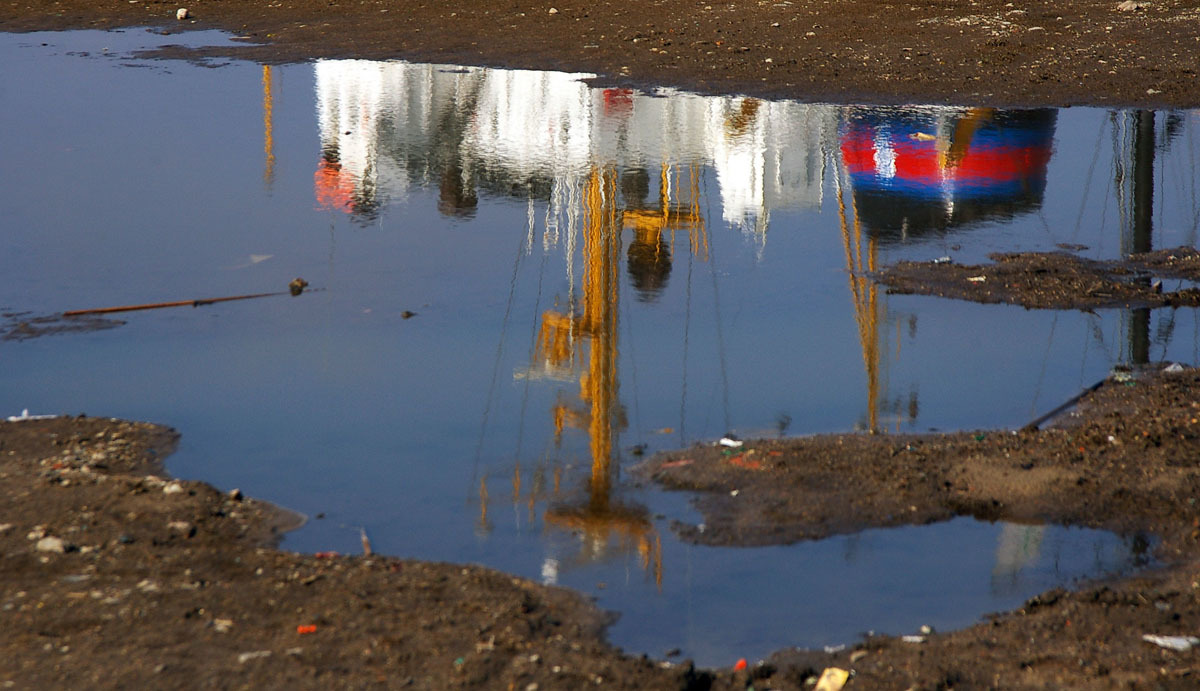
x=1125, y=460
x=113, y=576
x=985, y=52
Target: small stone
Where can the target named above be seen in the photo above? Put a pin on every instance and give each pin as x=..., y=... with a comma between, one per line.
x=147, y=586
x=182, y=527
x=235, y=494
x=857, y=655
x=173, y=488
x=243, y=658
x=553, y=10
x=5, y=527
x=182, y=14
x=38, y=532
x=51, y=544
x=222, y=625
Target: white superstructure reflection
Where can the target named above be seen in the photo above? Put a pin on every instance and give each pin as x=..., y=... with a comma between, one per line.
x=388, y=126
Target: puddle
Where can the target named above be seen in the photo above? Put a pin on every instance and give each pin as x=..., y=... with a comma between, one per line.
x=520, y=282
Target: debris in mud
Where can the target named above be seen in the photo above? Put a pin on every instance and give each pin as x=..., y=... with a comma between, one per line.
x=1054, y=280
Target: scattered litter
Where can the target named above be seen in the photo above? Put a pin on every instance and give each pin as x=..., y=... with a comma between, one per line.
x=1180, y=644
x=173, y=488
x=740, y=664
x=832, y=679
x=733, y=493
x=730, y=441
x=1173, y=368
x=831, y=649
x=922, y=137
x=913, y=639
x=857, y=655
x=243, y=658
x=222, y=625
x=297, y=285
x=326, y=555
x=304, y=629
x=182, y=14
x=744, y=462
x=942, y=260
x=26, y=416
x=976, y=279
x=677, y=464
x=926, y=629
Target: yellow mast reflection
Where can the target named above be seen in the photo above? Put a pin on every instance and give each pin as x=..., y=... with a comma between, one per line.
x=561, y=335
x=268, y=125
x=866, y=304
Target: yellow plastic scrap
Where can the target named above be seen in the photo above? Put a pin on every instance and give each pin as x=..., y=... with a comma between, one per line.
x=832, y=679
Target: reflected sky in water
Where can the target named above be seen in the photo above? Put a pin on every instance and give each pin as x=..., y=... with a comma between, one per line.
x=593, y=272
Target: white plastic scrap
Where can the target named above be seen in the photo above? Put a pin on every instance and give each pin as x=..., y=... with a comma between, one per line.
x=913, y=639
x=26, y=416
x=1178, y=643
x=730, y=441
x=1173, y=368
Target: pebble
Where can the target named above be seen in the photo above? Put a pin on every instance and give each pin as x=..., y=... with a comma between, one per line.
x=173, y=488
x=51, y=544
x=182, y=13
x=243, y=658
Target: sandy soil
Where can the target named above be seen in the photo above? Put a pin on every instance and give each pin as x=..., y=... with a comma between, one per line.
x=113, y=577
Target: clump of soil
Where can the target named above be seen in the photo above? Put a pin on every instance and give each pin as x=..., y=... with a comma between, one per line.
x=1127, y=460
x=1054, y=280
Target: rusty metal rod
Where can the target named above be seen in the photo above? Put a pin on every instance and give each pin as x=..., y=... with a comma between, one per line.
x=175, y=303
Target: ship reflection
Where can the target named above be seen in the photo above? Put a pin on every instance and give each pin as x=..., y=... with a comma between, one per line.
x=920, y=171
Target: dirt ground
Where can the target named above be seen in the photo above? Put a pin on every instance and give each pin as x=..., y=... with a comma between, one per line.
x=112, y=576
x=970, y=52
x=1056, y=280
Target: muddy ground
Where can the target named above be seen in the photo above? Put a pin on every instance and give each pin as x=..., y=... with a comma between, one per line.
x=113, y=577
x=972, y=52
